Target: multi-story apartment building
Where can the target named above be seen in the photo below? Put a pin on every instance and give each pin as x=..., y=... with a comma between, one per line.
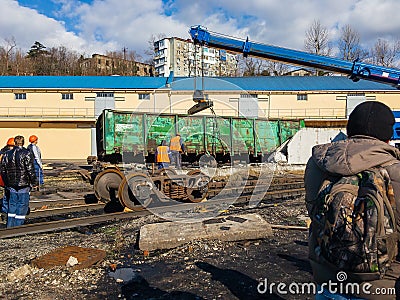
x=104, y=65
x=185, y=59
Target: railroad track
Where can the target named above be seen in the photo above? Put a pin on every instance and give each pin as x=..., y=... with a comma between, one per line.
x=52, y=207
x=50, y=212
x=210, y=206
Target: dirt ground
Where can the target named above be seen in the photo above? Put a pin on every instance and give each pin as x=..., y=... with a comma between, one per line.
x=197, y=270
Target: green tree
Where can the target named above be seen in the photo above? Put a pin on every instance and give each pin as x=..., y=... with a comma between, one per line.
x=38, y=55
x=37, y=50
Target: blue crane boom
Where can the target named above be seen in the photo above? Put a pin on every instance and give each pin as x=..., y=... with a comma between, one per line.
x=355, y=70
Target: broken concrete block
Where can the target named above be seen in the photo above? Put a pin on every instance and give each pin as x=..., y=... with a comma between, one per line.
x=19, y=273
x=169, y=235
x=72, y=261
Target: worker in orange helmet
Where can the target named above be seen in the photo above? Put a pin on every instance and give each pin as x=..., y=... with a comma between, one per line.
x=37, y=155
x=162, y=155
x=10, y=144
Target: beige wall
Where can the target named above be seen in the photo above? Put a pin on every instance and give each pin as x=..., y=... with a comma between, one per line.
x=55, y=143
x=392, y=100
x=323, y=105
x=46, y=103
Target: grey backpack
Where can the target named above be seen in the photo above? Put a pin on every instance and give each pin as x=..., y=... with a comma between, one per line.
x=354, y=223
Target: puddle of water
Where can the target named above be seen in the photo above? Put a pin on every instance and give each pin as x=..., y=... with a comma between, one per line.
x=124, y=274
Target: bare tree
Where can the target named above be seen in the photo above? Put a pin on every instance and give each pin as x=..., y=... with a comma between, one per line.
x=251, y=66
x=151, y=52
x=349, y=45
x=384, y=53
x=21, y=65
x=276, y=68
x=317, y=39
x=6, y=55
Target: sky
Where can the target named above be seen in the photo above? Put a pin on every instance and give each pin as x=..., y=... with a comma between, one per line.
x=97, y=26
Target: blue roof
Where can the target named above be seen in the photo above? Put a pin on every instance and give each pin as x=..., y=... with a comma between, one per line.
x=81, y=82
x=261, y=83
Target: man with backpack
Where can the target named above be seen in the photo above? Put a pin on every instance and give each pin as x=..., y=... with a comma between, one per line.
x=353, y=200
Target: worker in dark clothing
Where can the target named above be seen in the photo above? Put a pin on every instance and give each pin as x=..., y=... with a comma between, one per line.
x=19, y=176
x=177, y=147
x=4, y=201
x=162, y=155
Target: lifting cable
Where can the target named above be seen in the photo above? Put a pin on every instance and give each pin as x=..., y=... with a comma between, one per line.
x=215, y=129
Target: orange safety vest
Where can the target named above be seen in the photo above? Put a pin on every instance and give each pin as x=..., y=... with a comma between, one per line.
x=175, y=144
x=162, y=154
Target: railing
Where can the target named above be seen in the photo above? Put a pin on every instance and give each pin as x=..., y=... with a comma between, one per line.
x=89, y=113
x=47, y=112
x=309, y=113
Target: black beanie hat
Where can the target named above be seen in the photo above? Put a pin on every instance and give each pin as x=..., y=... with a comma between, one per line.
x=371, y=118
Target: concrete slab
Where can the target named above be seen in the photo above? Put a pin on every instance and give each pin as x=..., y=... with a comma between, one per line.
x=169, y=235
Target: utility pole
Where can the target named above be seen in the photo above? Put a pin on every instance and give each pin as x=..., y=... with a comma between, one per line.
x=124, y=61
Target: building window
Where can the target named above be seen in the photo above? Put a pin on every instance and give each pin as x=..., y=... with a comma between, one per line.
x=119, y=98
x=90, y=99
x=341, y=97
x=144, y=96
x=264, y=98
x=249, y=96
x=67, y=96
x=356, y=94
x=20, y=96
x=301, y=97
x=105, y=95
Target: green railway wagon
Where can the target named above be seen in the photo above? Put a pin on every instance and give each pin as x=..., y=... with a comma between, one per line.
x=133, y=137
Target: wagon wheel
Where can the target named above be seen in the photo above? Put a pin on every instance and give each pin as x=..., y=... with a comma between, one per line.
x=135, y=189
x=106, y=184
x=197, y=188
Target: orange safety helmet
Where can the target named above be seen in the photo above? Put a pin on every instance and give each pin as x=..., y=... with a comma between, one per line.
x=33, y=138
x=11, y=142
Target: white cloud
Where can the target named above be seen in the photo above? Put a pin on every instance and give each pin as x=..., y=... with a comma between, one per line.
x=126, y=23
x=113, y=24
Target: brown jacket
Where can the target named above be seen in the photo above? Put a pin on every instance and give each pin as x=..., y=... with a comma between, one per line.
x=349, y=157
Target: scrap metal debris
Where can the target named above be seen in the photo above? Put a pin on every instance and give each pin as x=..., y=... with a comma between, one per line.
x=86, y=257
